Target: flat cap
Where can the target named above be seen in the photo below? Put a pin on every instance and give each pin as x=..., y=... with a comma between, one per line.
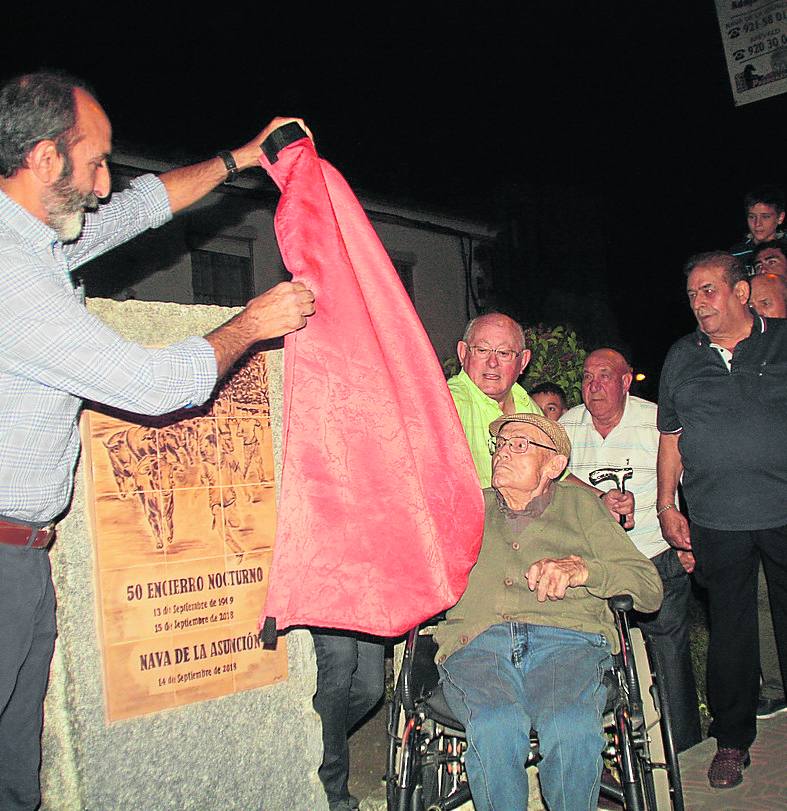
x=554, y=430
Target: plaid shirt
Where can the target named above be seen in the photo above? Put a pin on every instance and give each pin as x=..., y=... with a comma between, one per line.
x=54, y=354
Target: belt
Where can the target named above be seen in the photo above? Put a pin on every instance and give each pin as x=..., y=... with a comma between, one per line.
x=19, y=535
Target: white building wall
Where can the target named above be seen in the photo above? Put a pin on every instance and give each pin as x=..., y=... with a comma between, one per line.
x=157, y=265
x=438, y=281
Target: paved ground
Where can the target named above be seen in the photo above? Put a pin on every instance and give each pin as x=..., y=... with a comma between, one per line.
x=368, y=750
x=764, y=787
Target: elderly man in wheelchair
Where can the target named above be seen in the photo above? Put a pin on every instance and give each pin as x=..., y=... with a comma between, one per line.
x=531, y=638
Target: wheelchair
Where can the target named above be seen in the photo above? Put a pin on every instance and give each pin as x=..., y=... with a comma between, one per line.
x=425, y=770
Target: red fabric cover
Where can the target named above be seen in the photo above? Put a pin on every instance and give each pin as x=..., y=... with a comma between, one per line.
x=380, y=514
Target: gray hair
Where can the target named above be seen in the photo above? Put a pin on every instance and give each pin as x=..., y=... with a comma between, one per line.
x=471, y=325
x=734, y=269
x=33, y=108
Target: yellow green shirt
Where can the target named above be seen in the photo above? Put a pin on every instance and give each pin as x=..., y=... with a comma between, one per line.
x=476, y=411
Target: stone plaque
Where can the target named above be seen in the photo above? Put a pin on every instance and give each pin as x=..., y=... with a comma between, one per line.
x=182, y=516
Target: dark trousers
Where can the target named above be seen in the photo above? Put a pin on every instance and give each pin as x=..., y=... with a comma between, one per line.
x=668, y=631
x=27, y=641
x=350, y=681
x=727, y=566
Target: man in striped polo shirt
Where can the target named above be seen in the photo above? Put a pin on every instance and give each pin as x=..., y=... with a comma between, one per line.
x=615, y=429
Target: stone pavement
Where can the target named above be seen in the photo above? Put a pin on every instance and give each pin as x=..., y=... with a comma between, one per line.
x=764, y=786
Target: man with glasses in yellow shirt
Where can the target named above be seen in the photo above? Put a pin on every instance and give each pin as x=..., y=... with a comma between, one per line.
x=493, y=355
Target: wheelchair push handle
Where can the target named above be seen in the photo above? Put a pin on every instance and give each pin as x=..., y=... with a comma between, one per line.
x=621, y=602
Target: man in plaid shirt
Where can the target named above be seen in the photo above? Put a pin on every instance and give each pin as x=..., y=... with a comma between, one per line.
x=55, y=142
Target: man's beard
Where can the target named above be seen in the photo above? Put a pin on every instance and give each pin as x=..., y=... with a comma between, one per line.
x=66, y=206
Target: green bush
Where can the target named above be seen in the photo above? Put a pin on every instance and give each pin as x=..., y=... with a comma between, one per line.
x=558, y=357
x=451, y=366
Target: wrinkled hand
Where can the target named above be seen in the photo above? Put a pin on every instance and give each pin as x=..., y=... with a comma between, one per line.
x=686, y=560
x=282, y=309
x=620, y=504
x=675, y=529
x=248, y=154
x=552, y=576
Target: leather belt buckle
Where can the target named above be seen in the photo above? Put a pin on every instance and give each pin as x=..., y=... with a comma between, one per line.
x=43, y=537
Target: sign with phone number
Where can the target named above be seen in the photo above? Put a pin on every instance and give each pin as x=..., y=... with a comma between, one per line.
x=754, y=36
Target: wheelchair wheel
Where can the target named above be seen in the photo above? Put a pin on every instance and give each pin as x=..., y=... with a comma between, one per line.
x=663, y=788
x=430, y=776
x=629, y=765
x=442, y=777
x=412, y=774
x=396, y=782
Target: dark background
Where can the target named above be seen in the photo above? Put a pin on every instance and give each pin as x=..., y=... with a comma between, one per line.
x=603, y=132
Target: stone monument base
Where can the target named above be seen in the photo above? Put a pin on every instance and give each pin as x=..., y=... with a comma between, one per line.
x=258, y=749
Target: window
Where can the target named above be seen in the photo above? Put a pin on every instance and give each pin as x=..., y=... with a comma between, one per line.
x=220, y=278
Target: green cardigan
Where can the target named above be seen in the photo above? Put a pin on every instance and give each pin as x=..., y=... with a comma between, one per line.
x=574, y=523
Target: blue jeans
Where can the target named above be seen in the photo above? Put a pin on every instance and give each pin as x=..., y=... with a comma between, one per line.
x=514, y=676
x=350, y=681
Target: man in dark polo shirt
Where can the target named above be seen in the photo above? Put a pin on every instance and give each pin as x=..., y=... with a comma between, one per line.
x=723, y=423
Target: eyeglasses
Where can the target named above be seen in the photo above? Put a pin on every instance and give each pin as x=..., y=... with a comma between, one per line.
x=517, y=444
x=503, y=355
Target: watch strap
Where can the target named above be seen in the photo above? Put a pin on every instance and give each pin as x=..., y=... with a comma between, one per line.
x=229, y=163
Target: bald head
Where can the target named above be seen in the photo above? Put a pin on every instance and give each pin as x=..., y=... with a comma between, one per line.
x=605, y=384
x=768, y=295
x=59, y=170
x=611, y=357
x=90, y=114
x=494, y=318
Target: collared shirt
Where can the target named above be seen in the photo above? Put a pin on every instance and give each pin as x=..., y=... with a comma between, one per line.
x=477, y=411
x=534, y=509
x=633, y=442
x=726, y=355
x=732, y=424
x=54, y=354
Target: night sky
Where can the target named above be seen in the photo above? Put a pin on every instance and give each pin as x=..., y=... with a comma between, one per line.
x=458, y=107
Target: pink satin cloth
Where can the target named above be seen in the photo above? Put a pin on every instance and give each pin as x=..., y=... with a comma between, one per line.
x=380, y=512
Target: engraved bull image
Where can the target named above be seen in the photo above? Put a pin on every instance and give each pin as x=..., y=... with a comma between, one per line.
x=134, y=456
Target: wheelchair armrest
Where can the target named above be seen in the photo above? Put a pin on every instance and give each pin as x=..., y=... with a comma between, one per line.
x=435, y=620
x=621, y=602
